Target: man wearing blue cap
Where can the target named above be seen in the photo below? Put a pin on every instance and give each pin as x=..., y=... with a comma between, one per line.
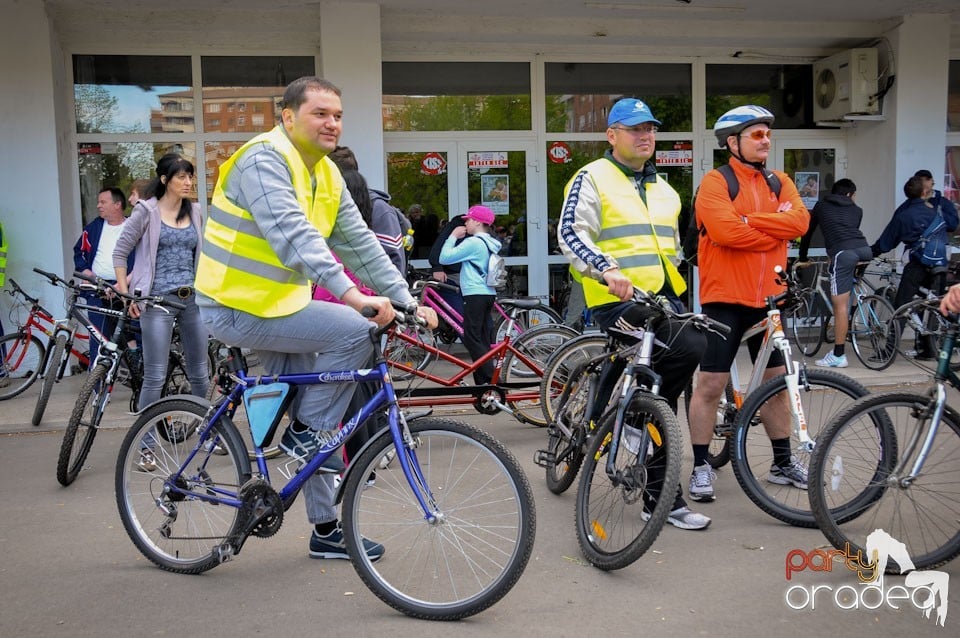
x=618, y=228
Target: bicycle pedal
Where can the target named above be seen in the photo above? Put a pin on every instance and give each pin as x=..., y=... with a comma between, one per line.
x=224, y=552
x=545, y=458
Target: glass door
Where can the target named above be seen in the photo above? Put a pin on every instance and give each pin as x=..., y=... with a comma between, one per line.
x=433, y=181
x=503, y=176
x=813, y=165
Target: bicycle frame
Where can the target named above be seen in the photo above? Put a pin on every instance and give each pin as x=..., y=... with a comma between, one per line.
x=774, y=338
x=431, y=297
x=942, y=375
x=453, y=393
x=385, y=396
x=42, y=320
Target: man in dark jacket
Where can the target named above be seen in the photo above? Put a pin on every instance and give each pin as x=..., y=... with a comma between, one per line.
x=93, y=252
x=909, y=222
x=839, y=218
x=449, y=274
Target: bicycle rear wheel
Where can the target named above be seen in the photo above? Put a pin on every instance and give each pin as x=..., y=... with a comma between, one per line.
x=565, y=452
x=874, y=333
x=618, y=518
x=476, y=548
x=179, y=532
x=860, y=491
x=822, y=393
x=83, y=425
x=51, y=376
x=561, y=363
x=719, y=453
x=523, y=320
x=807, y=321
x=537, y=344
x=20, y=361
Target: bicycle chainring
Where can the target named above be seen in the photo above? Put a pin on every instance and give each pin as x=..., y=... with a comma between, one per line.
x=486, y=403
x=262, y=508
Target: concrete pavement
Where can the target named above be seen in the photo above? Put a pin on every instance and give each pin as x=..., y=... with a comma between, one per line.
x=68, y=568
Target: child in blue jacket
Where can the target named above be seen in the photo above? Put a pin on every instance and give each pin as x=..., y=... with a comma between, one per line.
x=474, y=254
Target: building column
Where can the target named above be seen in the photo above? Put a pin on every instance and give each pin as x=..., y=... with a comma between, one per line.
x=31, y=205
x=350, y=58
x=922, y=49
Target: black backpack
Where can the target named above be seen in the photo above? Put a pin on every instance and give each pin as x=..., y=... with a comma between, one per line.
x=691, y=241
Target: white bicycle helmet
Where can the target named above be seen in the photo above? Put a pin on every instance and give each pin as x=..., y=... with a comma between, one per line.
x=735, y=120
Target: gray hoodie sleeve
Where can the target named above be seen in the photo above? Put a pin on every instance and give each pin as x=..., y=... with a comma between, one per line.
x=262, y=184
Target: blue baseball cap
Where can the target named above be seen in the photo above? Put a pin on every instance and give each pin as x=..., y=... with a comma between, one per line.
x=630, y=112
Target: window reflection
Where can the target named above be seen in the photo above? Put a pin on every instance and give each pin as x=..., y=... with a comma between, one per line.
x=579, y=95
x=786, y=90
x=456, y=96
x=132, y=93
x=118, y=164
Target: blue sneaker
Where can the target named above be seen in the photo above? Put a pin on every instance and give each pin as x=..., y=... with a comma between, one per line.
x=332, y=546
x=303, y=445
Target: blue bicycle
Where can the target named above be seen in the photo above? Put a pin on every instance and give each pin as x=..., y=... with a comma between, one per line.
x=450, y=503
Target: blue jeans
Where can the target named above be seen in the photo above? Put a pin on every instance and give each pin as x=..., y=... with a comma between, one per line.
x=321, y=337
x=156, y=325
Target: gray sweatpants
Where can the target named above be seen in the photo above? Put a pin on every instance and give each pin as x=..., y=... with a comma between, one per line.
x=321, y=337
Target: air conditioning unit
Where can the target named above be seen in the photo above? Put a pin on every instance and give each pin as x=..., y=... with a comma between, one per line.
x=845, y=84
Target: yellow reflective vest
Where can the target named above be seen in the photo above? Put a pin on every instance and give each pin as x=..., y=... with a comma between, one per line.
x=237, y=268
x=641, y=237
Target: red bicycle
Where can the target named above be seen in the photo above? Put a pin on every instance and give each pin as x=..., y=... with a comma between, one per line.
x=515, y=387
x=23, y=355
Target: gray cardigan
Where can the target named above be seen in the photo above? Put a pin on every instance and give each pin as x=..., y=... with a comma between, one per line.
x=142, y=231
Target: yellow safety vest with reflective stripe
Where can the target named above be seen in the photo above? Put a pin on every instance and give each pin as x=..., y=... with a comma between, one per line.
x=238, y=268
x=641, y=237
x=3, y=257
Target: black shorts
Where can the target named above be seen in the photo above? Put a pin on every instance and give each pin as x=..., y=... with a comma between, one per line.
x=722, y=350
x=842, y=267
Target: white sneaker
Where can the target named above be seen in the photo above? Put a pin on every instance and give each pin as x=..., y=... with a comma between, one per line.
x=684, y=518
x=701, y=483
x=833, y=361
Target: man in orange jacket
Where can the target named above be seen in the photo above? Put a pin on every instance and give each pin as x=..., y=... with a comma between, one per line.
x=743, y=240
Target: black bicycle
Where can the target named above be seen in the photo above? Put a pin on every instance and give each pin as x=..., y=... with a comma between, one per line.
x=95, y=393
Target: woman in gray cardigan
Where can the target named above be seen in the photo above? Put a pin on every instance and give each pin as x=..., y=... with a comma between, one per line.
x=167, y=231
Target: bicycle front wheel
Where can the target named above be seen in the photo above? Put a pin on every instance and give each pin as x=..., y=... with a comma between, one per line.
x=483, y=521
x=179, y=530
x=861, y=490
x=537, y=344
x=619, y=517
x=83, y=425
x=20, y=361
x=874, y=333
x=54, y=366
x=822, y=394
x=409, y=354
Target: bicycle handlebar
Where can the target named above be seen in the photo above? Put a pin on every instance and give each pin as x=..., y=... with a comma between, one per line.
x=661, y=304
x=102, y=286
x=24, y=293
x=420, y=284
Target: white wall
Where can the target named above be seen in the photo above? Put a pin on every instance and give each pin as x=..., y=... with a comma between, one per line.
x=30, y=169
x=350, y=58
x=882, y=155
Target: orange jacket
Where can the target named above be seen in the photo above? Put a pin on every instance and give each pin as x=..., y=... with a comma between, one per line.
x=745, y=238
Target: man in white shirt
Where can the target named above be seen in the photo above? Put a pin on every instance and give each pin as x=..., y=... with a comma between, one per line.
x=93, y=252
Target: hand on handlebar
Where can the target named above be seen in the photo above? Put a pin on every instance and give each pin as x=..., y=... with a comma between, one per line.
x=428, y=316
x=618, y=284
